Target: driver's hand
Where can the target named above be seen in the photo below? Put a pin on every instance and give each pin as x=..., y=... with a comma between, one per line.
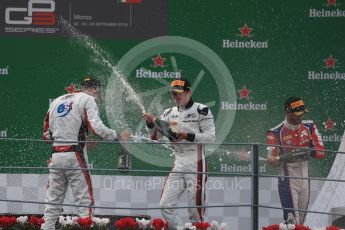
x=125, y=135
x=181, y=136
x=91, y=145
x=320, y=155
x=273, y=160
x=148, y=117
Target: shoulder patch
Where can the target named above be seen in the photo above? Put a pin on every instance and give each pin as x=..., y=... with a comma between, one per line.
x=308, y=123
x=276, y=128
x=203, y=111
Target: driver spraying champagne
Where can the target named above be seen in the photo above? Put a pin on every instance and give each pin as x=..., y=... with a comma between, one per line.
x=67, y=123
x=187, y=125
x=292, y=143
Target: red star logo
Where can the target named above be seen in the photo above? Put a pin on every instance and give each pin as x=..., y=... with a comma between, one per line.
x=71, y=88
x=331, y=2
x=245, y=31
x=329, y=124
x=330, y=62
x=158, y=61
x=244, y=93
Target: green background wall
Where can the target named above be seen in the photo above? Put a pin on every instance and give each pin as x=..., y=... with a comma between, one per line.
x=36, y=69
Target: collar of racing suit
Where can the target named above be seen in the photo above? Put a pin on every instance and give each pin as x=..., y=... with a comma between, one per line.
x=187, y=106
x=290, y=126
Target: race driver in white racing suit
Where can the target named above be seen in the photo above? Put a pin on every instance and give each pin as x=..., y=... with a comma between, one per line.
x=293, y=162
x=68, y=119
x=188, y=122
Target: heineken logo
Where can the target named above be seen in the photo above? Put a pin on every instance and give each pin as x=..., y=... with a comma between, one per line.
x=142, y=73
x=328, y=70
x=242, y=106
x=235, y=168
x=4, y=70
x=245, y=34
x=244, y=94
x=313, y=75
x=158, y=63
x=332, y=138
x=328, y=11
x=314, y=13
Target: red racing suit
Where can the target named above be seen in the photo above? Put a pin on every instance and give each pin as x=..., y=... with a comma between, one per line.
x=197, y=120
x=68, y=119
x=294, y=193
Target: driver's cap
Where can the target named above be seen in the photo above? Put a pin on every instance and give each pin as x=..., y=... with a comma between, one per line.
x=180, y=85
x=90, y=82
x=295, y=105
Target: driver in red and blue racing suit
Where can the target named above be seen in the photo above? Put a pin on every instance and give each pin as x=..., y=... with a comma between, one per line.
x=294, y=132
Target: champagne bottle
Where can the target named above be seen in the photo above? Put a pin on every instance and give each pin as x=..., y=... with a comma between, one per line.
x=124, y=161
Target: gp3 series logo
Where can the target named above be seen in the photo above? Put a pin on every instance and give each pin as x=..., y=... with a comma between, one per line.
x=38, y=12
x=64, y=108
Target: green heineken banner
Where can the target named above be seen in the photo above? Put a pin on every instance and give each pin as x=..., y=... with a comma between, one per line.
x=243, y=59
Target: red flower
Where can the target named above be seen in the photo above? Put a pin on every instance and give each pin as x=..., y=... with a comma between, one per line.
x=301, y=227
x=271, y=227
x=126, y=223
x=159, y=224
x=36, y=222
x=120, y=224
x=201, y=225
x=7, y=221
x=332, y=228
x=85, y=223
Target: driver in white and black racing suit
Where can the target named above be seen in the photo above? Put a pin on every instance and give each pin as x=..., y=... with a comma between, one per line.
x=188, y=122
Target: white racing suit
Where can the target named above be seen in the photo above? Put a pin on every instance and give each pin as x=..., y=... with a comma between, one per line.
x=68, y=119
x=197, y=120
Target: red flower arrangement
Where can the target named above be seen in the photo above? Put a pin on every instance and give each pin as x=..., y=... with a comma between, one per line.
x=36, y=222
x=85, y=223
x=332, y=228
x=202, y=225
x=75, y=223
x=301, y=227
x=159, y=224
x=6, y=222
x=271, y=227
x=126, y=224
